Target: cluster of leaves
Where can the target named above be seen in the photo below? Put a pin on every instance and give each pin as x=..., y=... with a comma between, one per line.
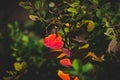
x=84, y=31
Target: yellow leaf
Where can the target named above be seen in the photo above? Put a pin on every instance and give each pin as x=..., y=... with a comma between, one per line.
x=67, y=24
x=84, y=46
x=90, y=26
x=17, y=66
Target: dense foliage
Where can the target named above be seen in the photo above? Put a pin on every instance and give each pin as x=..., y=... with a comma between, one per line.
x=65, y=40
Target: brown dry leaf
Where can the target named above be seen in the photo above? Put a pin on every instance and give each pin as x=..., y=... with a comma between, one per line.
x=94, y=57
x=113, y=46
x=80, y=39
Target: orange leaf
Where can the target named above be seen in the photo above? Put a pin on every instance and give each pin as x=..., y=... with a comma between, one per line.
x=76, y=78
x=66, y=62
x=63, y=75
x=61, y=55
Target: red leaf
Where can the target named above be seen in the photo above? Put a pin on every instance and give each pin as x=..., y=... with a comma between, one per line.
x=66, y=62
x=54, y=41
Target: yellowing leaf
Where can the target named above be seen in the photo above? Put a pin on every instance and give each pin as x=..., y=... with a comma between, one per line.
x=33, y=17
x=94, y=57
x=90, y=26
x=17, y=66
x=84, y=46
x=67, y=24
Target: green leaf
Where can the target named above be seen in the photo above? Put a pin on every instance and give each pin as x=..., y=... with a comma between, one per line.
x=110, y=33
x=66, y=30
x=99, y=13
x=52, y=4
x=75, y=3
x=76, y=65
x=24, y=64
x=72, y=10
x=25, y=38
x=18, y=59
x=95, y=2
x=106, y=6
x=37, y=4
x=73, y=72
x=25, y=5
x=87, y=68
